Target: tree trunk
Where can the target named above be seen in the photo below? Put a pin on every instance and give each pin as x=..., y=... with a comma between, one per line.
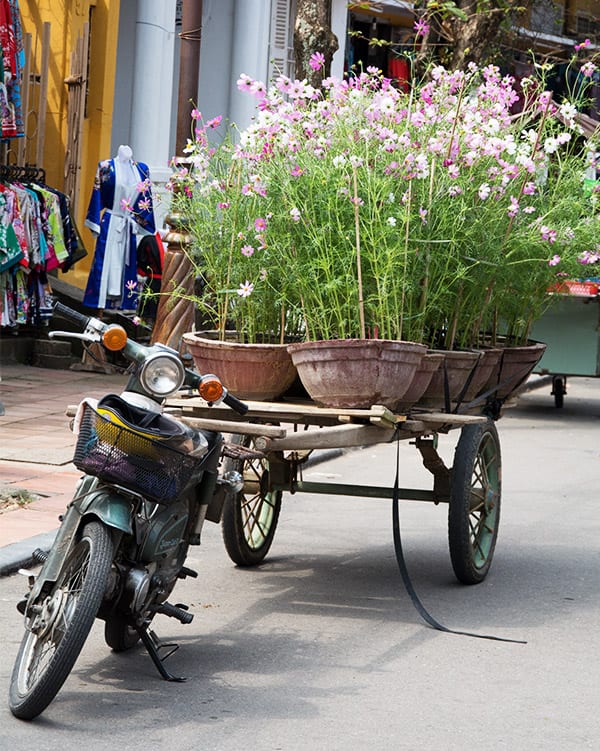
x=474, y=37
x=312, y=33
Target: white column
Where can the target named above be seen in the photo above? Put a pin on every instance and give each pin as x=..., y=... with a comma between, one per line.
x=339, y=26
x=152, y=95
x=250, y=54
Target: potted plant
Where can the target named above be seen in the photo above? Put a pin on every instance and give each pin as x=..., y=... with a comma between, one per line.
x=438, y=217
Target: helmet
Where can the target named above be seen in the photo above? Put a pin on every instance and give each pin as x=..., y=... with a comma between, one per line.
x=149, y=427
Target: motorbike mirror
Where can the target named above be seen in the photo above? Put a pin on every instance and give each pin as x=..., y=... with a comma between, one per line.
x=211, y=389
x=114, y=338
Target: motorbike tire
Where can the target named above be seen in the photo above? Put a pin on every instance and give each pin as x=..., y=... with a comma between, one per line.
x=118, y=634
x=55, y=636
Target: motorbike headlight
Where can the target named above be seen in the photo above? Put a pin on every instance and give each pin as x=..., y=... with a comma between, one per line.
x=162, y=374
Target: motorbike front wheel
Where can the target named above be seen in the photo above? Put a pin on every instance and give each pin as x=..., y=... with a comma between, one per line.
x=60, y=623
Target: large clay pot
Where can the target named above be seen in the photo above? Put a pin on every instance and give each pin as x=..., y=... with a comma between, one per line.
x=357, y=373
x=249, y=371
x=455, y=370
x=421, y=380
x=514, y=367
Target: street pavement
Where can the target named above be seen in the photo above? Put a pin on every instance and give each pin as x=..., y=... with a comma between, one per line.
x=36, y=448
x=321, y=648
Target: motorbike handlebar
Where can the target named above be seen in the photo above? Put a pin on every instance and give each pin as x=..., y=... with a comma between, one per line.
x=71, y=315
x=137, y=350
x=236, y=404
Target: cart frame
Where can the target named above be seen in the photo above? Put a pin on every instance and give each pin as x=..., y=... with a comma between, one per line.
x=274, y=440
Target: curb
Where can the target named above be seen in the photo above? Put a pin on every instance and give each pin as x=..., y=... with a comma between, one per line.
x=20, y=554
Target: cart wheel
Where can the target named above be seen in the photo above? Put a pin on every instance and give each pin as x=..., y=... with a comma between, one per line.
x=474, y=513
x=559, y=389
x=250, y=517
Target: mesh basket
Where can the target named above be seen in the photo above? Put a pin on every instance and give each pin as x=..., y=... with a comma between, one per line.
x=117, y=455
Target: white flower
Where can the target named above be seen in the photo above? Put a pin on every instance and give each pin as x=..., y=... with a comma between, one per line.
x=245, y=289
x=339, y=160
x=295, y=214
x=568, y=112
x=550, y=145
x=484, y=191
x=391, y=220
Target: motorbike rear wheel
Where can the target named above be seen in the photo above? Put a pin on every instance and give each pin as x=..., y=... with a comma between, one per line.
x=118, y=634
x=59, y=625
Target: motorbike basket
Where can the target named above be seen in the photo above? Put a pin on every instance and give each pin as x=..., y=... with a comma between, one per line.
x=123, y=457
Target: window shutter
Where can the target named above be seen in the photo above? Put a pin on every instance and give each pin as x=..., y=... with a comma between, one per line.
x=281, y=46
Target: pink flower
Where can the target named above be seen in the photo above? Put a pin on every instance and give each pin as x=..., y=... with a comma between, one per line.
x=588, y=257
x=317, y=60
x=554, y=261
x=224, y=204
x=247, y=250
x=295, y=214
x=259, y=224
x=244, y=83
x=196, y=114
x=588, y=69
x=548, y=234
x=215, y=122
x=423, y=215
x=421, y=27
x=582, y=45
x=296, y=171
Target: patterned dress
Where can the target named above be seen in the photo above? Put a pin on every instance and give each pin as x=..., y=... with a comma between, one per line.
x=120, y=209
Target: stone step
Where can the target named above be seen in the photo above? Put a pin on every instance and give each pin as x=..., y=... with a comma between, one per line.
x=56, y=362
x=51, y=347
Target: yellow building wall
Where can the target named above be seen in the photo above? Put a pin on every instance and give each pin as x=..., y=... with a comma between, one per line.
x=67, y=19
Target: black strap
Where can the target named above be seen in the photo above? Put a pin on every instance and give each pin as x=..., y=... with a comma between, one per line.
x=406, y=578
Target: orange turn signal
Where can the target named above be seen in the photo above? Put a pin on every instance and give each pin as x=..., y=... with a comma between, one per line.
x=114, y=338
x=211, y=389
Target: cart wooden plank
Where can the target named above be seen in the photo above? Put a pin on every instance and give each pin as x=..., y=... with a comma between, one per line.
x=229, y=426
x=294, y=412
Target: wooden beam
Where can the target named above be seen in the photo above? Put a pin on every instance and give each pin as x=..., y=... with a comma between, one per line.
x=43, y=100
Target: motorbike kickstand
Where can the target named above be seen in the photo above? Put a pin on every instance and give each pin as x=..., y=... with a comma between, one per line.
x=153, y=645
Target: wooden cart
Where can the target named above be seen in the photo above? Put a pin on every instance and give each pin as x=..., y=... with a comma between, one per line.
x=273, y=440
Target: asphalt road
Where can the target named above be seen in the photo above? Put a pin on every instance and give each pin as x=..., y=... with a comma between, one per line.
x=321, y=648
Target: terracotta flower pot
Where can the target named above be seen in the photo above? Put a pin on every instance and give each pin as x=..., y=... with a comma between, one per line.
x=356, y=373
x=516, y=363
x=249, y=371
x=455, y=370
x=421, y=380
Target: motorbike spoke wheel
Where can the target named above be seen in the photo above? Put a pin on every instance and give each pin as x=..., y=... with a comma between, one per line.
x=250, y=516
x=474, y=513
x=58, y=625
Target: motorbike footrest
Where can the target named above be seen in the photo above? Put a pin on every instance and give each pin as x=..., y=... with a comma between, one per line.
x=235, y=451
x=185, y=571
x=175, y=612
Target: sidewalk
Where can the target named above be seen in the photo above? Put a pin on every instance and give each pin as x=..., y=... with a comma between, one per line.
x=36, y=448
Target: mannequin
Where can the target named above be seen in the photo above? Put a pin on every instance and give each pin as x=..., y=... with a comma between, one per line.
x=120, y=210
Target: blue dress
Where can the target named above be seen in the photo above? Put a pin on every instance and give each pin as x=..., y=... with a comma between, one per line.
x=120, y=209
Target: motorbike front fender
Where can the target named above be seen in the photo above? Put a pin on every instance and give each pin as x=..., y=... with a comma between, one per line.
x=105, y=504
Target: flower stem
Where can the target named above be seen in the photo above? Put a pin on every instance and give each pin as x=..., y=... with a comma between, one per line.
x=361, y=302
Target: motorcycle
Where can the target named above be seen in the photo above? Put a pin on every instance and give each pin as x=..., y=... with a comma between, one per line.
x=149, y=484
